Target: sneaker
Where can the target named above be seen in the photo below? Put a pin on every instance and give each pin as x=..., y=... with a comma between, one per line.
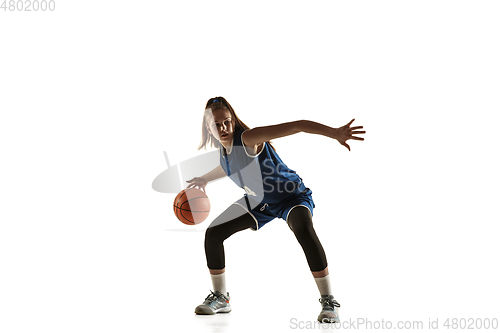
x=329, y=313
x=214, y=303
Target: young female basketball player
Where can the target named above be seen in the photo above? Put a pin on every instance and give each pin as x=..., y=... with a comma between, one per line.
x=272, y=190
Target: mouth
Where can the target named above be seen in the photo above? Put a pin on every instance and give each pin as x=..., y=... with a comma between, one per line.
x=223, y=136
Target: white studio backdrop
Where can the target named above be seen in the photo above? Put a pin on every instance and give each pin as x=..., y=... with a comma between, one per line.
x=93, y=93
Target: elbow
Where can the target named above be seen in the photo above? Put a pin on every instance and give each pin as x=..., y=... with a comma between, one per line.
x=305, y=126
x=300, y=126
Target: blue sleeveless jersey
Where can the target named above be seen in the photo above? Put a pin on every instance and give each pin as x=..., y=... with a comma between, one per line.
x=264, y=176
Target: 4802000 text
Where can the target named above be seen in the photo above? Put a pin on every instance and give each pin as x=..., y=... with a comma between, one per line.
x=28, y=5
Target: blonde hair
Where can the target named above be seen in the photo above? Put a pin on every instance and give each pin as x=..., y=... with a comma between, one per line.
x=215, y=104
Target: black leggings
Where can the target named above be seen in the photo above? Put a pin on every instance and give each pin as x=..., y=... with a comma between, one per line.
x=299, y=221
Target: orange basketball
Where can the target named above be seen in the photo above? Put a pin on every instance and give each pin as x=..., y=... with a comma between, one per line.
x=191, y=206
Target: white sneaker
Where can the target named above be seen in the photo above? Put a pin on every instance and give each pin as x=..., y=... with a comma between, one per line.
x=330, y=312
x=214, y=303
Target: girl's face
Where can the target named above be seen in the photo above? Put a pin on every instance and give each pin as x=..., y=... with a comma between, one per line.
x=222, y=126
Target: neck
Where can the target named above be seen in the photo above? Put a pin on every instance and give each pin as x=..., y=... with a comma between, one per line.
x=228, y=146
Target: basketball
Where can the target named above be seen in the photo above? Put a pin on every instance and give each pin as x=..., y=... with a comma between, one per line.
x=191, y=206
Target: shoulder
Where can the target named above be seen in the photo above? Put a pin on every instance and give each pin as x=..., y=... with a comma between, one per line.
x=255, y=148
x=245, y=137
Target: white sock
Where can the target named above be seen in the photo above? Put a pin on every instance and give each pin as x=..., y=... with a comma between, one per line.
x=324, y=285
x=219, y=282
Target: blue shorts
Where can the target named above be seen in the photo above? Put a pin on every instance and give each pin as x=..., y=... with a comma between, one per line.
x=264, y=213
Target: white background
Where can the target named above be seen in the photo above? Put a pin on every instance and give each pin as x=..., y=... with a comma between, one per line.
x=94, y=92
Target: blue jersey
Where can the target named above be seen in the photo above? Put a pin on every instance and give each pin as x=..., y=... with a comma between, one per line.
x=263, y=176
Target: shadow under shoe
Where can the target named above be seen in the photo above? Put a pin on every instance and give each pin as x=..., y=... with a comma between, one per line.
x=329, y=313
x=214, y=303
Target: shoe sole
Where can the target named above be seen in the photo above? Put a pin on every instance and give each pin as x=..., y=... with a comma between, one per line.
x=327, y=320
x=205, y=310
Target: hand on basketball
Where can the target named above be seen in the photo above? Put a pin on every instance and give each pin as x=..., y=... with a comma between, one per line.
x=197, y=182
x=344, y=133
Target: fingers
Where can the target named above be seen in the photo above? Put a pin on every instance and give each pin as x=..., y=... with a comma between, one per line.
x=201, y=187
x=195, y=184
x=348, y=132
x=192, y=180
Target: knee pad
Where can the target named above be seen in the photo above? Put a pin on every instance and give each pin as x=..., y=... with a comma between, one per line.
x=299, y=219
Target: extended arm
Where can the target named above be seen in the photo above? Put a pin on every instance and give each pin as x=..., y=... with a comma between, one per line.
x=202, y=181
x=258, y=135
x=215, y=174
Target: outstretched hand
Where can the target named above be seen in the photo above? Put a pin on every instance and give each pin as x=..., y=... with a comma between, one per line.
x=344, y=133
x=199, y=182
